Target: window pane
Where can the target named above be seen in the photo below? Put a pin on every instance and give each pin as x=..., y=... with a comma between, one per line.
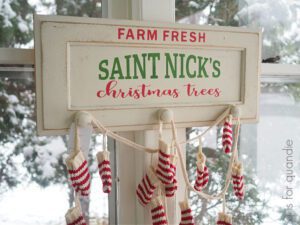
x=271, y=161
x=34, y=187
x=279, y=20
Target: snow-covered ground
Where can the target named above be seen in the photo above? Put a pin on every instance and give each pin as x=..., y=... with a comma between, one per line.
x=33, y=205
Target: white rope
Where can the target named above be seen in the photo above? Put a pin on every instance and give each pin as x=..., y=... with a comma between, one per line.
x=139, y=147
x=119, y=138
x=224, y=204
x=104, y=142
x=219, y=119
x=77, y=201
x=77, y=140
x=160, y=129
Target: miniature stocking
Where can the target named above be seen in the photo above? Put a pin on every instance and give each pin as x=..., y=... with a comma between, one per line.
x=104, y=170
x=186, y=214
x=224, y=219
x=147, y=187
x=202, y=172
x=227, y=135
x=74, y=216
x=164, y=171
x=79, y=173
x=170, y=189
x=238, y=180
x=158, y=213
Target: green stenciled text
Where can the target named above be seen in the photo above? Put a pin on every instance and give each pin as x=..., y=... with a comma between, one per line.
x=145, y=66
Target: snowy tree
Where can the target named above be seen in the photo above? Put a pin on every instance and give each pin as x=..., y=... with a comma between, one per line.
x=89, y=8
x=16, y=17
x=13, y=113
x=289, y=216
x=279, y=21
x=20, y=142
x=15, y=22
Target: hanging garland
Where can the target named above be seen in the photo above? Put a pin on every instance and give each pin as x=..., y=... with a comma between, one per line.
x=160, y=180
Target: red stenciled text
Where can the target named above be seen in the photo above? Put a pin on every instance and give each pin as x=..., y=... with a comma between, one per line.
x=146, y=90
x=166, y=35
x=141, y=91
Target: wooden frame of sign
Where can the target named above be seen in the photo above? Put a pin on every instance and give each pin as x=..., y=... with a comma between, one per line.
x=123, y=72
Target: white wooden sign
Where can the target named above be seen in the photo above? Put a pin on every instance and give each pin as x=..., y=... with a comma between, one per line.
x=124, y=71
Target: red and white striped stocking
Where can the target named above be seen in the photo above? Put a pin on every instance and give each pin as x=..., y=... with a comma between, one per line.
x=202, y=172
x=79, y=173
x=186, y=214
x=158, y=212
x=105, y=170
x=238, y=180
x=224, y=219
x=164, y=171
x=147, y=187
x=170, y=189
x=74, y=217
x=227, y=135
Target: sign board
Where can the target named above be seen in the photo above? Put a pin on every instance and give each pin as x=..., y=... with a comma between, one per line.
x=123, y=72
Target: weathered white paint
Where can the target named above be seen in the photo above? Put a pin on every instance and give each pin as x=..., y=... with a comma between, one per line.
x=68, y=51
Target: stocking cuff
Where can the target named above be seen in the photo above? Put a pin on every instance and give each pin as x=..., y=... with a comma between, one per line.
x=153, y=177
x=73, y=214
x=184, y=205
x=75, y=161
x=157, y=201
x=101, y=156
x=225, y=217
x=201, y=166
x=173, y=160
x=237, y=168
x=164, y=147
